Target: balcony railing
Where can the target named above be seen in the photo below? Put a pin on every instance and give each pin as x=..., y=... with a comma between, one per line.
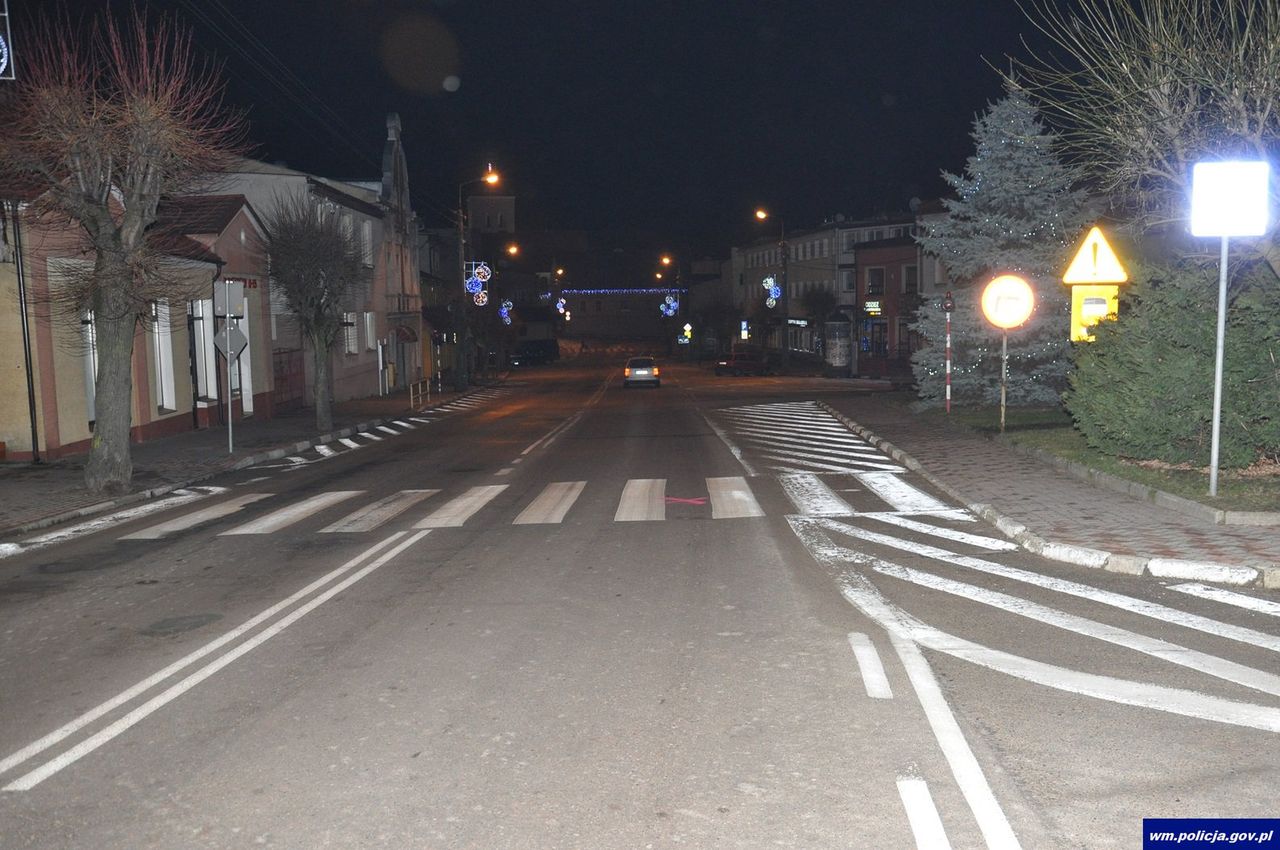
x=403, y=303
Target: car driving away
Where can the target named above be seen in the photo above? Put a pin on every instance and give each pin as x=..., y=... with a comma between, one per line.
x=741, y=364
x=641, y=370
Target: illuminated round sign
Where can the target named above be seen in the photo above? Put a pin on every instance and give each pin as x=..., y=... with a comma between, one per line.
x=1007, y=301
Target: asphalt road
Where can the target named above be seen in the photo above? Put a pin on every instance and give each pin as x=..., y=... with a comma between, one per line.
x=569, y=615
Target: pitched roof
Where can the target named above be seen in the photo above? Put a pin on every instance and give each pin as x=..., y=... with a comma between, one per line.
x=191, y=214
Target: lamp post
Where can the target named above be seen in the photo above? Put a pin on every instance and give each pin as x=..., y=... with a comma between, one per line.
x=762, y=215
x=1227, y=199
x=462, y=371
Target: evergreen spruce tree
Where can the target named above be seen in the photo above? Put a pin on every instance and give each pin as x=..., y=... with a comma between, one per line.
x=1015, y=211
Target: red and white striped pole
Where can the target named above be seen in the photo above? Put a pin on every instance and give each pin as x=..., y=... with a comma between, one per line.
x=948, y=305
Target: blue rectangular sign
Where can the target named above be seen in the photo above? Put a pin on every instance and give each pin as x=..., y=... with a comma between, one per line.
x=1196, y=833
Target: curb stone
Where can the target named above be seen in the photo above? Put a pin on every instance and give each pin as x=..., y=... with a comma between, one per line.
x=1239, y=576
x=241, y=463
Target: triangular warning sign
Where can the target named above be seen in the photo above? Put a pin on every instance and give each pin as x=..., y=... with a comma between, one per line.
x=1095, y=262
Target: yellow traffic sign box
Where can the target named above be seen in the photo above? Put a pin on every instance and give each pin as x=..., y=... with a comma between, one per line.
x=1094, y=277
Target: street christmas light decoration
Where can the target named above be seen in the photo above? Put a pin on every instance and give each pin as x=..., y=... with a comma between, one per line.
x=505, y=312
x=670, y=306
x=630, y=290
x=560, y=306
x=481, y=298
x=474, y=285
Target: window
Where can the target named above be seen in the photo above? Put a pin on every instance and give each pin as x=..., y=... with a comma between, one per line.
x=350, y=333
x=875, y=281
x=162, y=355
x=911, y=280
x=371, y=331
x=366, y=242
x=846, y=280
x=206, y=355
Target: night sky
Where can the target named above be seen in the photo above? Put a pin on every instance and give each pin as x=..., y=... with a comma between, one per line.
x=675, y=118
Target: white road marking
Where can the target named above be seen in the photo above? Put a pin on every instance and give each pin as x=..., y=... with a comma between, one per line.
x=402, y=423
x=176, y=499
x=898, y=493
x=546, y=439
x=981, y=541
x=370, y=436
x=49, y=768
x=552, y=503
x=454, y=513
x=290, y=514
x=731, y=498
x=506, y=470
x=828, y=428
x=851, y=467
x=296, y=461
x=861, y=593
x=818, y=454
x=351, y=444
x=420, y=419
x=195, y=518
x=803, y=441
x=1240, y=600
x=1171, y=652
x=1153, y=610
x=372, y=516
x=326, y=451
x=922, y=814
x=392, y=431
x=733, y=448
x=812, y=496
x=643, y=499
x=964, y=766
x=873, y=677
x=68, y=729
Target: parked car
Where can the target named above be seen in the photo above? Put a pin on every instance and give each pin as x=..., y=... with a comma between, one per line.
x=641, y=370
x=741, y=364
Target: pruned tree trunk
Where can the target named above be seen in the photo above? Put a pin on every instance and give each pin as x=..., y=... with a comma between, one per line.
x=110, y=467
x=323, y=390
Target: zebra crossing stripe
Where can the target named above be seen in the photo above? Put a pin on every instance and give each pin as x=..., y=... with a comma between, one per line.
x=290, y=514
x=898, y=493
x=195, y=518
x=643, y=499
x=351, y=444
x=402, y=423
x=731, y=498
x=420, y=419
x=812, y=497
x=457, y=511
x=370, y=436
x=373, y=515
x=851, y=466
x=801, y=440
x=978, y=540
x=824, y=457
x=392, y=431
x=325, y=451
x=551, y=504
x=1228, y=597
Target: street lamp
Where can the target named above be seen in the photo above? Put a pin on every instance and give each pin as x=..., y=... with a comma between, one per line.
x=1227, y=199
x=763, y=215
x=461, y=366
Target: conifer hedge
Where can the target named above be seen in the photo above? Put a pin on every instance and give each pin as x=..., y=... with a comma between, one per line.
x=1144, y=388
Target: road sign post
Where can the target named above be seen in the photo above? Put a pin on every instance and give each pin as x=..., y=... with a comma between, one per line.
x=230, y=341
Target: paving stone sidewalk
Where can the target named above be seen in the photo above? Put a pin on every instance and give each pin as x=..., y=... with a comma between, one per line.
x=1060, y=508
x=36, y=495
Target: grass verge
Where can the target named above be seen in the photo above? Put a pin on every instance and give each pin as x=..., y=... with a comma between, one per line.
x=1051, y=430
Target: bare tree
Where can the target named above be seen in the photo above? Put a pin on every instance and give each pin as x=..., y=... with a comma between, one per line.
x=317, y=266
x=1142, y=89
x=103, y=121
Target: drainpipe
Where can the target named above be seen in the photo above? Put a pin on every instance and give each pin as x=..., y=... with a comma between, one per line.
x=14, y=207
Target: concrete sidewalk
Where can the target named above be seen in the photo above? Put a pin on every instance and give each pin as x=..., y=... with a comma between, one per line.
x=1060, y=516
x=34, y=496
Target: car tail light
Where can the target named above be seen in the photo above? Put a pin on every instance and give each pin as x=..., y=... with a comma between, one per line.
x=626, y=373
x=655, y=371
